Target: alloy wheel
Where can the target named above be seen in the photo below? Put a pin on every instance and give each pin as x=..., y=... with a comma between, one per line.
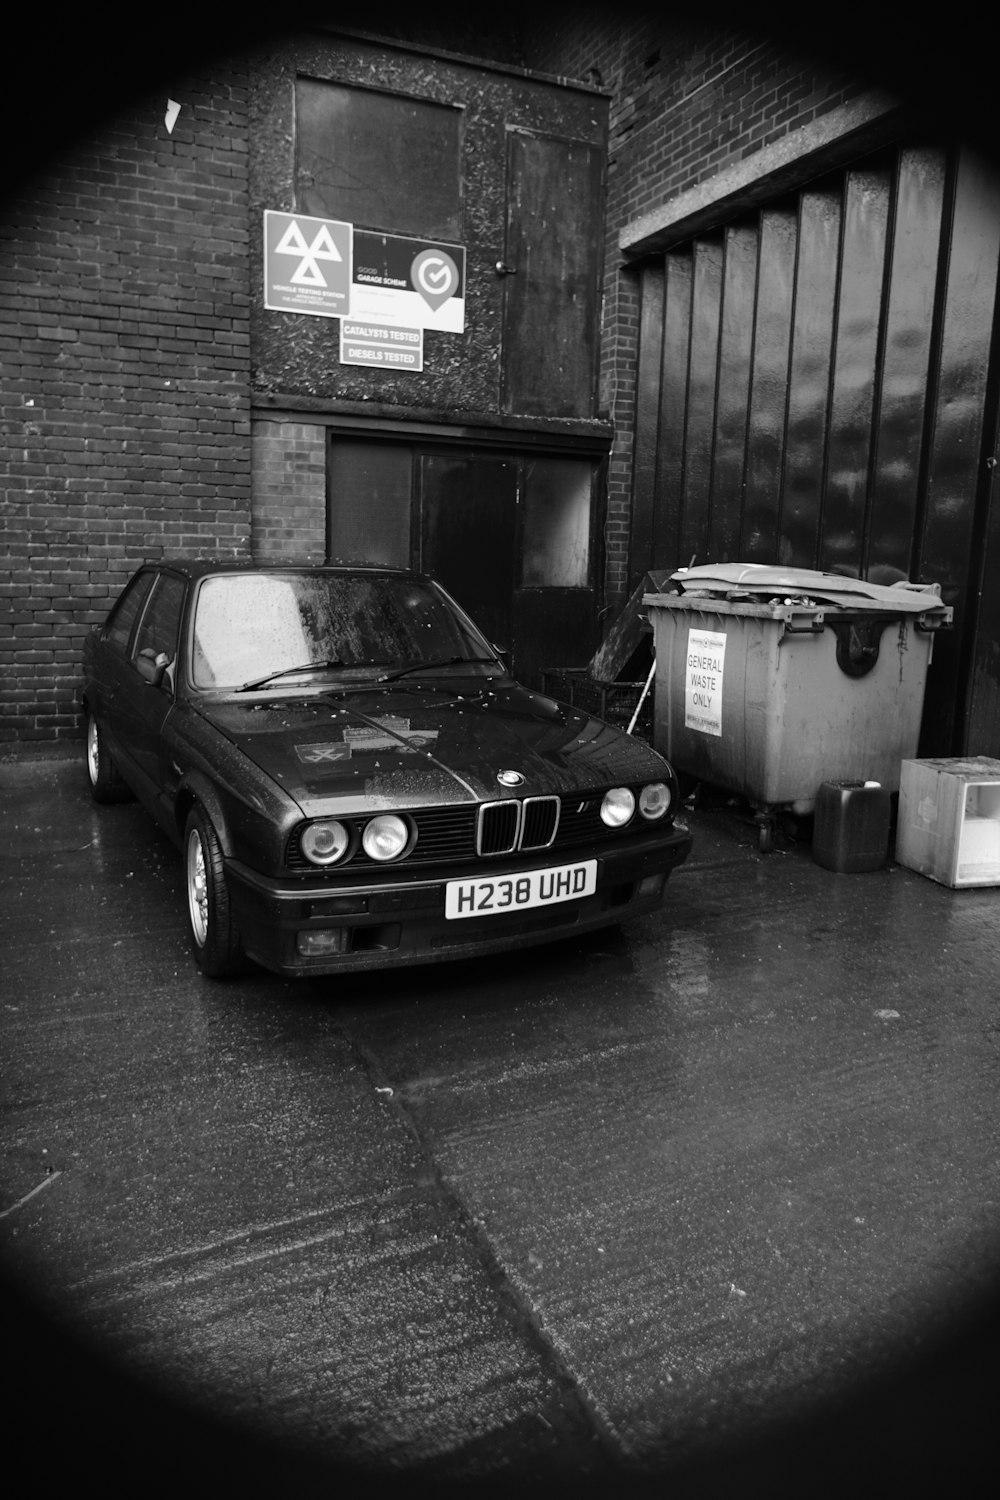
x=197, y=888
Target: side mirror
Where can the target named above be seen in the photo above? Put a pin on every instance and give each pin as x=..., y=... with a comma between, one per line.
x=151, y=665
x=504, y=654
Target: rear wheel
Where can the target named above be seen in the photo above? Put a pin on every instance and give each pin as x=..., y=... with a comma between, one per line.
x=106, y=785
x=214, y=934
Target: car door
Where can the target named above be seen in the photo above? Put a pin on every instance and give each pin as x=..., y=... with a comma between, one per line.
x=108, y=651
x=145, y=695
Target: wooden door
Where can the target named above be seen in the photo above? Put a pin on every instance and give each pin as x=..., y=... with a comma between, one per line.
x=551, y=269
x=468, y=528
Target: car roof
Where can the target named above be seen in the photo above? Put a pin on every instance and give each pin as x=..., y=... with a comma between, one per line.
x=200, y=567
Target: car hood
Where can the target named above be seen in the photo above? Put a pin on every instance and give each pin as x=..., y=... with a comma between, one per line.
x=414, y=745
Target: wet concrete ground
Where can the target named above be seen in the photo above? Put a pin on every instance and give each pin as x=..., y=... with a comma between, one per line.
x=712, y=1197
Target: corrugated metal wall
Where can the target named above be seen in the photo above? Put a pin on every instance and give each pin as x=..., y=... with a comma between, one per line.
x=817, y=386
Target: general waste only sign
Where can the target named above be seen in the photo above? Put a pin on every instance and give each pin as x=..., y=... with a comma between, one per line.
x=704, y=671
x=307, y=264
x=412, y=283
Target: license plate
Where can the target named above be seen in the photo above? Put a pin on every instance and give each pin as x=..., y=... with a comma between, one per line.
x=518, y=892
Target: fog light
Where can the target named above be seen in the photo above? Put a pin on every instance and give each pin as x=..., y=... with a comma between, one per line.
x=326, y=940
x=651, y=885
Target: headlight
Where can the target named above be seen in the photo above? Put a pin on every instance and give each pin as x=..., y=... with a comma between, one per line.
x=325, y=843
x=617, y=807
x=654, y=800
x=385, y=837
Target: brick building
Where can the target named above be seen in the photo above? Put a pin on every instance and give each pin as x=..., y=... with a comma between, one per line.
x=125, y=352
x=722, y=298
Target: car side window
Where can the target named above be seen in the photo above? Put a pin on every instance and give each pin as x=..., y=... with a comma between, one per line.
x=157, y=634
x=124, y=616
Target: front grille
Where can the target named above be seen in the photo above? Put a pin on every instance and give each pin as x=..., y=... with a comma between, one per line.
x=540, y=821
x=453, y=835
x=499, y=826
x=509, y=825
x=581, y=821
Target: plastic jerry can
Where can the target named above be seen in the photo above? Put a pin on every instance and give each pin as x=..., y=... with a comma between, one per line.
x=851, y=826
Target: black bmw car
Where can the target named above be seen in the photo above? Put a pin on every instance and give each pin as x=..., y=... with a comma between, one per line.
x=354, y=778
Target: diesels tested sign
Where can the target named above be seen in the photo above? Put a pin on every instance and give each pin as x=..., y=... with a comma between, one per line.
x=381, y=344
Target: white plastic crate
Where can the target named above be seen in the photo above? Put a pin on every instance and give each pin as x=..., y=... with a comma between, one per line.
x=948, y=824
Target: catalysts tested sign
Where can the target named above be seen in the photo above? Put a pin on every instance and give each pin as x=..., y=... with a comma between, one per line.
x=381, y=345
x=703, y=676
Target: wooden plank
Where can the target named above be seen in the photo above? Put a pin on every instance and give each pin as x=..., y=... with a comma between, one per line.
x=628, y=630
x=909, y=338
x=703, y=369
x=669, y=504
x=647, y=402
x=809, y=377
x=735, y=353
x=948, y=545
x=852, y=398
x=769, y=385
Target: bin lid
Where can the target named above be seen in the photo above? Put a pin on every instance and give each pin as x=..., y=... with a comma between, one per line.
x=755, y=581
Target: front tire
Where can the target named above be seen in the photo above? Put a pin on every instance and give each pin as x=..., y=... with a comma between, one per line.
x=214, y=934
x=103, y=778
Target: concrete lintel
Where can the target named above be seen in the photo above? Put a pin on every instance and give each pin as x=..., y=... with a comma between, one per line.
x=827, y=142
x=405, y=422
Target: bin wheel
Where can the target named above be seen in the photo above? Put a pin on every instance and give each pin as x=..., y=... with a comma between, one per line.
x=765, y=833
x=687, y=784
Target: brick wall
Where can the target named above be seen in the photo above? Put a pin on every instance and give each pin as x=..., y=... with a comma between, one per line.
x=289, y=492
x=124, y=378
x=686, y=102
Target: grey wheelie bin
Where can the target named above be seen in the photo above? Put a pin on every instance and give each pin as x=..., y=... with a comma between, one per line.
x=771, y=681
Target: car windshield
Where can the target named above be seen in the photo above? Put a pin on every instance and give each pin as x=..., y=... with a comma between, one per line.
x=250, y=627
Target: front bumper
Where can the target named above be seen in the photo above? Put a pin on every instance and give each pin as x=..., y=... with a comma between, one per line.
x=399, y=921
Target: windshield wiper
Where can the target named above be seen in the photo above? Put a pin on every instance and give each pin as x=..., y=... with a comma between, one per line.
x=441, y=661
x=305, y=666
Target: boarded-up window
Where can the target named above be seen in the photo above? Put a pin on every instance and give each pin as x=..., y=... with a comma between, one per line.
x=378, y=160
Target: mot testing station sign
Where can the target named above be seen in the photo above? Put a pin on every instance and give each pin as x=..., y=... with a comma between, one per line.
x=307, y=264
x=412, y=283
x=703, y=676
x=381, y=344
